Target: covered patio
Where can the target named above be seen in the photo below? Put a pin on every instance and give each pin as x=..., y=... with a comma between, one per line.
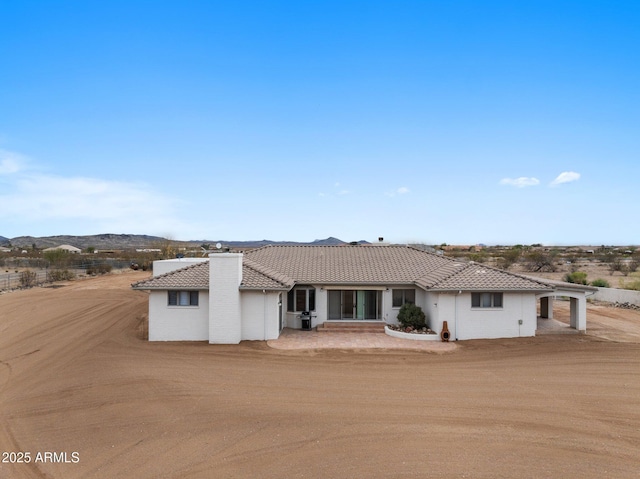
x=577, y=297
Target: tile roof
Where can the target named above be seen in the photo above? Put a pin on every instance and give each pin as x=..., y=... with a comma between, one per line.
x=280, y=267
x=478, y=277
x=257, y=276
x=195, y=276
x=254, y=276
x=349, y=264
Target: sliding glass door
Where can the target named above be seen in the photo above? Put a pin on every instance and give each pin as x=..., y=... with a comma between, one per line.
x=351, y=304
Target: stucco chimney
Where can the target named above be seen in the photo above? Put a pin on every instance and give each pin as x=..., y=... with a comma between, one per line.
x=225, y=318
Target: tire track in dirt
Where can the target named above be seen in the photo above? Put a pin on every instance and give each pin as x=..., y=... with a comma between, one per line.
x=82, y=377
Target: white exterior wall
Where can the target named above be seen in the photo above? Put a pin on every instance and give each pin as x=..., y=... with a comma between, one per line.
x=465, y=322
x=443, y=308
x=430, y=307
x=617, y=295
x=178, y=323
x=260, y=315
x=225, y=312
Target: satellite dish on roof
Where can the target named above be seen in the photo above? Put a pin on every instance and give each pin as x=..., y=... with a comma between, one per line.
x=218, y=246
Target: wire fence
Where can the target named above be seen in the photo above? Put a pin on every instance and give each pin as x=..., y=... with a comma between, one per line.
x=14, y=280
x=27, y=278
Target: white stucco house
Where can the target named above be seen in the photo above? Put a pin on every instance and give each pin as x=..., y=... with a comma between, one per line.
x=64, y=247
x=230, y=297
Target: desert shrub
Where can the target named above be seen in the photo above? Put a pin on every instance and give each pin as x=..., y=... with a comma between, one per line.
x=101, y=268
x=104, y=268
x=60, y=275
x=600, y=283
x=615, y=264
x=540, y=261
x=57, y=257
x=635, y=286
x=28, y=278
x=478, y=257
x=411, y=315
x=509, y=258
x=578, y=277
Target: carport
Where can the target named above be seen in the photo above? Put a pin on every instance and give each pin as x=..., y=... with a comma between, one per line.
x=577, y=295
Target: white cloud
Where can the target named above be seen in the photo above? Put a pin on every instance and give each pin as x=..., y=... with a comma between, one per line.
x=403, y=190
x=521, y=182
x=565, y=177
x=11, y=162
x=338, y=190
x=31, y=200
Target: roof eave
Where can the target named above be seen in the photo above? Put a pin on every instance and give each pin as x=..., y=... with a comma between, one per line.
x=253, y=288
x=484, y=290
x=172, y=288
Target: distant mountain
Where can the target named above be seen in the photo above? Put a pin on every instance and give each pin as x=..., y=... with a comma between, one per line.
x=4, y=240
x=103, y=241
x=126, y=241
x=331, y=241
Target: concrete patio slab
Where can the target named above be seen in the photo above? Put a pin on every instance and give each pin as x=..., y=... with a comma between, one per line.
x=296, y=339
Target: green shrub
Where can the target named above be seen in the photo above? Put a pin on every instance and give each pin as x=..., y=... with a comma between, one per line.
x=600, y=283
x=578, y=277
x=411, y=315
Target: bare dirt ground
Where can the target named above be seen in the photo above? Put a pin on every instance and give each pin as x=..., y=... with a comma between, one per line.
x=77, y=376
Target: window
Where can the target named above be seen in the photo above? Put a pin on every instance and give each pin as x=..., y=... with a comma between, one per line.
x=301, y=298
x=401, y=296
x=183, y=298
x=486, y=300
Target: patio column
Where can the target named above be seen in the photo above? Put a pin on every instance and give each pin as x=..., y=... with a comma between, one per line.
x=578, y=318
x=546, y=307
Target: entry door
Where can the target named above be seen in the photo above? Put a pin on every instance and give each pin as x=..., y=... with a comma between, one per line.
x=342, y=304
x=348, y=304
x=355, y=304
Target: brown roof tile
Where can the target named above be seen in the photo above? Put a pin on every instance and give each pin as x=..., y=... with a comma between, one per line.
x=478, y=277
x=280, y=267
x=257, y=276
x=349, y=264
x=195, y=276
x=254, y=276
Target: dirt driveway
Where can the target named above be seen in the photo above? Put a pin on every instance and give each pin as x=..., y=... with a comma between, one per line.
x=76, y=376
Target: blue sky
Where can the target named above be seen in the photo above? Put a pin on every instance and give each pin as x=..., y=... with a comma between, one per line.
x=420, y=121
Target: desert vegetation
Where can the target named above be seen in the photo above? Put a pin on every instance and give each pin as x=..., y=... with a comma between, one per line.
x=604, y=266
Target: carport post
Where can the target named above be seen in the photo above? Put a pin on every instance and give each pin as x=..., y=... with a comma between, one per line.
x=546, y=307
x=578, y=318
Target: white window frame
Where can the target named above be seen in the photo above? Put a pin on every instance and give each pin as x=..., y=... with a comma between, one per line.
x=308, y=290
x=487, y=300
x=183, y=299
x=404, y=296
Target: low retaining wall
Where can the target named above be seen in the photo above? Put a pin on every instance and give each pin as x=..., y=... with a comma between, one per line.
x=613, y=295
x=415, y=337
